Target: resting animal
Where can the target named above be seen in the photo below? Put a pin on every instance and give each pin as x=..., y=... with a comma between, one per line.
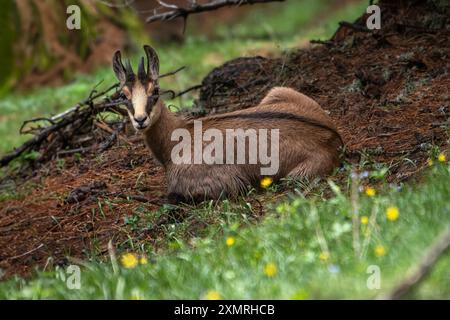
x=301, y=137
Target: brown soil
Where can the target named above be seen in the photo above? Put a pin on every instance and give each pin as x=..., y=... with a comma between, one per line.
x=387, y=90
x=58, y=211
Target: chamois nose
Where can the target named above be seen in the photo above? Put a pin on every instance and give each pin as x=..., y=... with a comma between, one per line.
x=140, y=120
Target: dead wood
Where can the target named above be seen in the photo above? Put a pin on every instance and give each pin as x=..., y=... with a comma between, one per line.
x=438, y=249
x=72, y=120
x=173, y=11
x=397, y=127
x=73, y=131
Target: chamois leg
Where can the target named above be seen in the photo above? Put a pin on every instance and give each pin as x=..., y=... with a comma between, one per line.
x=194, y=184
x=176, y=198
x=195, y=191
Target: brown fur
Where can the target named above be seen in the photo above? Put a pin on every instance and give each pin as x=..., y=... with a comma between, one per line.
x=308, y=139
x=306, y=149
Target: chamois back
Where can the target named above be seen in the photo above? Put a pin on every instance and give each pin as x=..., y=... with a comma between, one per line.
x=302, y=138
x=295, y=102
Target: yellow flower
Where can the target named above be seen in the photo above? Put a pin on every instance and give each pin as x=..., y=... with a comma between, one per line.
x=442, y=157
x=300, y=295
x=143, y=260
x=364, y=220
x=129, y=260
x=392, y=213
x=429, y=162
x=213, y=295
x=266, y=182
x=136, y=295
x=270, y=270
x=370, y=192
x=380, y=251
x=230, y=241
x=324, y=256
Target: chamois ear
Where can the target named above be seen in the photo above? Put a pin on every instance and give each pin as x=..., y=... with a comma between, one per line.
x=128, y=69
x=142, y=75
x=152, y=63
x=118, y=67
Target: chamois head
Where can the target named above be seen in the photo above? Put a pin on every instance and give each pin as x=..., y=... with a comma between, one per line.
x=141, y=90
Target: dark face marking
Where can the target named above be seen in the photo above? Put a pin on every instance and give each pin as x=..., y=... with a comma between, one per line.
x=152, y=100
x=152, y=97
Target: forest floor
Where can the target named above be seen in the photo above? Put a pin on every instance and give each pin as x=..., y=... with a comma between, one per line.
x=387, y=92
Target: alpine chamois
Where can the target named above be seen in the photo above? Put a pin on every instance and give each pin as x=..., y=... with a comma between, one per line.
x=303, y=137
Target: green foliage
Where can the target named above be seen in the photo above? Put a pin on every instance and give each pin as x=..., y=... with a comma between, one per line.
x=8, y=29
x=303, y=249
x=441, y=4
x=198, y=53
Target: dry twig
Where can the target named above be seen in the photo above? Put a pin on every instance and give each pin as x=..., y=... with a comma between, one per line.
x=436, y=251
x=65, y=125
x=173, y=11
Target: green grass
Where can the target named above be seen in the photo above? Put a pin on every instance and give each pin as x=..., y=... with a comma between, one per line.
x=307, y=242
x=288, y=25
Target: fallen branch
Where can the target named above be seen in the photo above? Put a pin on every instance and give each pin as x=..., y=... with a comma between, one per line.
x=69, y=118
x=173, y=11
x=436, y=251
x=109, y=142
x=136, y=198
x=171, y=73
x=105, y=127
x=353, y=26
x=26, y=253
x=64, y=126
x=324, y=42
x=92, y=96
x=73, y=151
x=196, y=87
x=31, y=130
